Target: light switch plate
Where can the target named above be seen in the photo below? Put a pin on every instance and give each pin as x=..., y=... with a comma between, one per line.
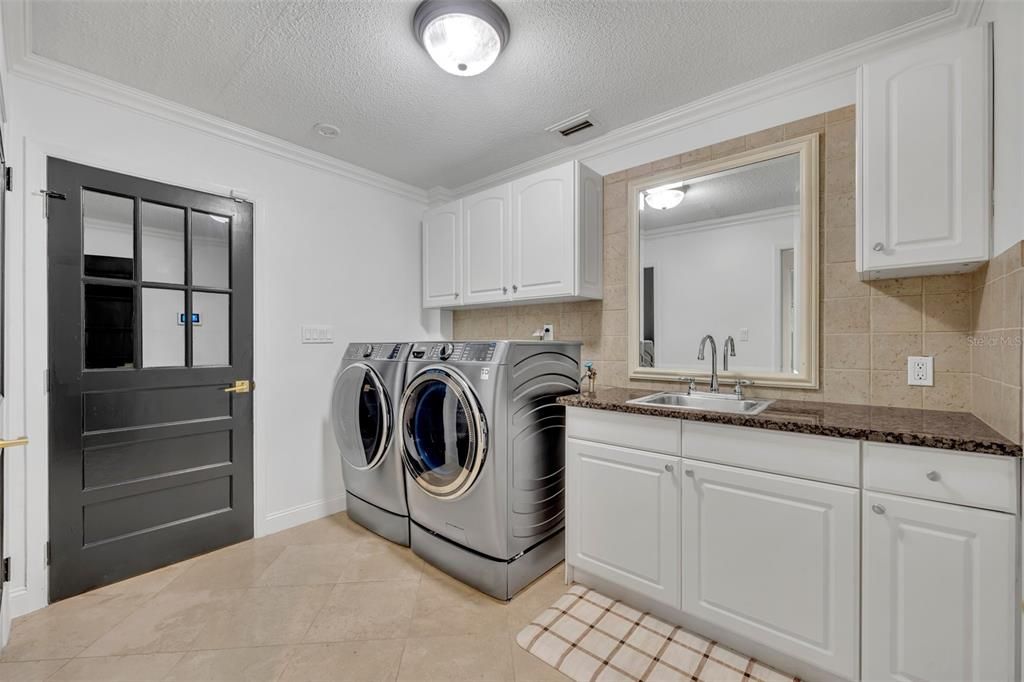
x=317, y=333
x=920, y=371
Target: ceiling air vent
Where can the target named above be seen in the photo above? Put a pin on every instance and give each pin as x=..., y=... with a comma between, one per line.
x=572, y=125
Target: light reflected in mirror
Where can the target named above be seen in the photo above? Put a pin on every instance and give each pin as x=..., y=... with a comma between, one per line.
x=723, y=251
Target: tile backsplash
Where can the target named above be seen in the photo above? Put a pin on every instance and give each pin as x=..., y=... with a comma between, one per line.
x=970, y=323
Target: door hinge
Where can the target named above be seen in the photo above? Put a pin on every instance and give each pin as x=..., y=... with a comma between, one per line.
x=47, y=553
x=6, y=570
x=47, y=195
x=9, y=178
x=46, y=381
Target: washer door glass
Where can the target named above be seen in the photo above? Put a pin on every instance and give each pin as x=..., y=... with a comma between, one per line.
x=444, y=432
x=361, y=414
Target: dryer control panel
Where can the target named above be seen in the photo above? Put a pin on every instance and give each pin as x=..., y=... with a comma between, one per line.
x=373, y=351
x=454, y=352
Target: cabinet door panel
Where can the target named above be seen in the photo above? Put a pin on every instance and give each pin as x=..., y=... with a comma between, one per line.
x=938, y=591
x=543, y=233
x=442, y=261
x=774, y=559
x=623, y=525
x=924, y=139
x=485, y=226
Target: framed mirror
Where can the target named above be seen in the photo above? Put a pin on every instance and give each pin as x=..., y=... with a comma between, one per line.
x=727, y=248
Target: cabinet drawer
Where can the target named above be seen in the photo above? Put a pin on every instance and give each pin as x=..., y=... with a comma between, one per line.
x=833, y=460
x=634, y=431
x=985, y=481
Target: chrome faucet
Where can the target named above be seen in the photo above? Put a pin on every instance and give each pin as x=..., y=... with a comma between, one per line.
x=714, y=360
x=728, y=351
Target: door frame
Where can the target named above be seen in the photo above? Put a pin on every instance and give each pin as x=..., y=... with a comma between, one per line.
x=31, y=593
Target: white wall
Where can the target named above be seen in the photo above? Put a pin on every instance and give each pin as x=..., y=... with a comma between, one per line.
x=328, y=250
x=1008, y=82
x=739, y=261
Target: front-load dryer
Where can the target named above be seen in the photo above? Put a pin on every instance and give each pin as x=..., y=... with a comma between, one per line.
x=484, y=449
x=364, y=417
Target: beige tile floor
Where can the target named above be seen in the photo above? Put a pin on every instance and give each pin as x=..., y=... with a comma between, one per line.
x=324, y=601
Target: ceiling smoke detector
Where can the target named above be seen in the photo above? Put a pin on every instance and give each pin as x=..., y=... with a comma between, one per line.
x=463, y=37
x=327, y=130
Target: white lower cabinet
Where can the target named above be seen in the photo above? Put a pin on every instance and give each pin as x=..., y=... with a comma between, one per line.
x=623, y=524
x=774, y=559
x=938, y=592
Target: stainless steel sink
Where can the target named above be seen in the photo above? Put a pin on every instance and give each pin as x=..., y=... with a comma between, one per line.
x=705, y=403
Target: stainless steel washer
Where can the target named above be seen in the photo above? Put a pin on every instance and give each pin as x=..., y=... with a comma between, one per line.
x=484, y=451
x=363, y=413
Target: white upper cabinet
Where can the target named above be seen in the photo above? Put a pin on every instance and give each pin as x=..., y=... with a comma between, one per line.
x=774, y=559
x=442, y=256
x=938, y=592
x=924, y=150
x=536, y=238
x=485, y=229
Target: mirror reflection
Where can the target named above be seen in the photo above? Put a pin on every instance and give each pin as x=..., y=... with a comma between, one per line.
x=719, y=254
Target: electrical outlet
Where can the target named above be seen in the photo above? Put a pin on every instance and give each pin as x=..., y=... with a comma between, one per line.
x=920, y=371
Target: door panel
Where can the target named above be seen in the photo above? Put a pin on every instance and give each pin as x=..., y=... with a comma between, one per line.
x=624, y=517
x=150, y=458
x=543, y=233
x=937, y=585
x=774, y=559
x=485, y=226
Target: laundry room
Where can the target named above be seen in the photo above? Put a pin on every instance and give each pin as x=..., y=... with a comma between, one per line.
x=511, y=340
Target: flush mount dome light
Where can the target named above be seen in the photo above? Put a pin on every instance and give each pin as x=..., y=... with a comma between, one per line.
x=666, y=197
x=463, y=37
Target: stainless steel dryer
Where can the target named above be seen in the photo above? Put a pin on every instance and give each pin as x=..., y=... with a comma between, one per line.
x=484, y=450
x=363, y=413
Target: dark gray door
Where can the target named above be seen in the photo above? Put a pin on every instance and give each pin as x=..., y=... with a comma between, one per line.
x=150, y=309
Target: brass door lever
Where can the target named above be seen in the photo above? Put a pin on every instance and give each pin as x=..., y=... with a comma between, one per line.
x=241, y=386
x=13, y=442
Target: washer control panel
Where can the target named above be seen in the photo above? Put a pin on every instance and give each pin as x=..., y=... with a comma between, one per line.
x=454, y=352
x=374, y=351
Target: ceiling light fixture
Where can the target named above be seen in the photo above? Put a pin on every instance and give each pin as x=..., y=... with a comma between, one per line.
x=463, y=37
x=663, y=198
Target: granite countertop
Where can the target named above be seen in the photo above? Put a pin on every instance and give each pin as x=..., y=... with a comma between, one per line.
x=904, y=426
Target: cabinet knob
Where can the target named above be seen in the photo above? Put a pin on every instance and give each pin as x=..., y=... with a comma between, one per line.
x=689, y=472
x=456, y=294
x=933, y=475
x=878, y=509
x=669, y=467
x=879, y=246
x=504, y=290
x=515, y=288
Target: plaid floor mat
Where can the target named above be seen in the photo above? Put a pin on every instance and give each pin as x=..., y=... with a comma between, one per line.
x=590, y=637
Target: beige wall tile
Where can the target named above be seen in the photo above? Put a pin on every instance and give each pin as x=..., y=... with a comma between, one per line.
x=614, y=220
x=843, y=114
x=907, y=286
x=728, y=148
x=615, y=195
x=695, y=156
x=840, y=136
x=947, y=312
x=890, y=388
x=896, y=314
x=890, y=351
x=668, y=163
x=613, y=323
x=845, y=386
x=840, y=211
x=1012, y=298
x=951, y=392
x=951, y=350
x=847, y=351
x=765, y=137
x=840, y=246
x=843, y=315
x=842, y=281
x=640, y=171
x=811, y=124
x=946, y=284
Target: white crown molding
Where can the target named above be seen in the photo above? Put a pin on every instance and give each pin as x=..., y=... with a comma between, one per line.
x=837, y=64
x=737, y=220
x=23, y=63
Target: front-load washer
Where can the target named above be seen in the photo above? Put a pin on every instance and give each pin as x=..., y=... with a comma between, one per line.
x=364, y=417
x=484, y=451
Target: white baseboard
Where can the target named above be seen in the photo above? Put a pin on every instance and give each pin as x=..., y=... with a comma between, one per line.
x=23, y=601
x=303, y=513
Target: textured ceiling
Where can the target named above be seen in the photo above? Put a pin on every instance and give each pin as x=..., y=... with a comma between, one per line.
x=281, y=67
x=757, y=187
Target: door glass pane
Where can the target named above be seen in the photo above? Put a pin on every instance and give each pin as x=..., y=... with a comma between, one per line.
x=108, y=240
x=440, y=438
x=211, y=329
x=163, y=328
x=163, y=243
x=210, y=250
x=109, y=337
x=360, y=416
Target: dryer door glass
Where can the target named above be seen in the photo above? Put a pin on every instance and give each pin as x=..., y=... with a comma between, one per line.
x=361, y=414
x=444, y=432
